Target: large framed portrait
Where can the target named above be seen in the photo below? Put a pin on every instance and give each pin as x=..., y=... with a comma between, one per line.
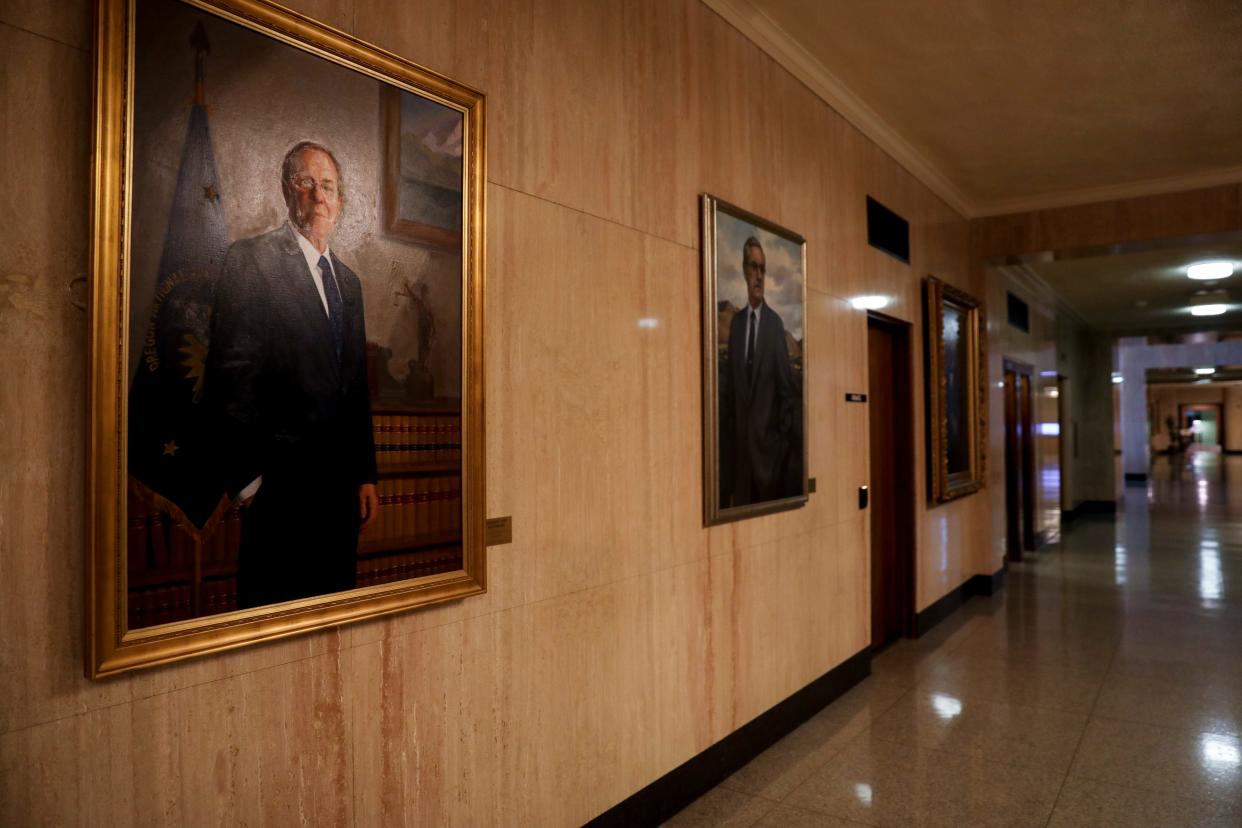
x=956, y=392
x=754, y=341
x=285, y=388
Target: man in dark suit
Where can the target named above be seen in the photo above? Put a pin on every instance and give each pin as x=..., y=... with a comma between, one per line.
x=758, y=396
x=286, y=380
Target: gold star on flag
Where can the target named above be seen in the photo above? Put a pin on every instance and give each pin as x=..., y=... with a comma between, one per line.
x=170, y=448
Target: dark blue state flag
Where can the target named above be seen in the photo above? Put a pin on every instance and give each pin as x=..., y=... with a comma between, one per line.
x=170, y=439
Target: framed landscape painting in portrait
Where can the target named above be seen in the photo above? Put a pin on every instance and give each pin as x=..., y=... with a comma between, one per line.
x=285, y=388
x=956, y=392
x=754, y=340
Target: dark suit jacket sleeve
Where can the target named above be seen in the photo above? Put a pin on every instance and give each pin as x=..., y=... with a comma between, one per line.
x=235, y=363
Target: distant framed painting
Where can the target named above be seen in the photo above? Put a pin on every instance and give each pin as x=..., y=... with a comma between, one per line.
x=956, y=392
x=422, y=170
x=754, y=365
x=286, y=398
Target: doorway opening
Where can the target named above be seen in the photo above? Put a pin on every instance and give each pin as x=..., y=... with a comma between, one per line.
x=1019, y=461
x=1201, y=422
x=891, y=419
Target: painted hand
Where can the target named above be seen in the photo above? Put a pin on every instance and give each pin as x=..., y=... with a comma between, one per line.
x=368, y=505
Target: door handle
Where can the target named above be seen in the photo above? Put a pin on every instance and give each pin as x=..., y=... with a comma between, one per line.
x=864, y=496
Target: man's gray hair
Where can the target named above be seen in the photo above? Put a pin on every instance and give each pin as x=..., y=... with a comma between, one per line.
x=751, y=241
x=289, y=164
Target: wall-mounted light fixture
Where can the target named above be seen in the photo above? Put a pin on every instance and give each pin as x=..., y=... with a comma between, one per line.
x=870, y=302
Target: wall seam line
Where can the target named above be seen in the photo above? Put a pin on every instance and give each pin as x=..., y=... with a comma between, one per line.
x=84, y=50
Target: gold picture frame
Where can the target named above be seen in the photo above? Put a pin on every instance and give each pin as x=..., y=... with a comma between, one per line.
x=956, y=392
x=113, y=643
x=762, y=429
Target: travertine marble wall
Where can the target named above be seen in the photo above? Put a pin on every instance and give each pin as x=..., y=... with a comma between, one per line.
x=618, y=637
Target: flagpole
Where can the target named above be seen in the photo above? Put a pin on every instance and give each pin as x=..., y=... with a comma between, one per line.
x=202, y=47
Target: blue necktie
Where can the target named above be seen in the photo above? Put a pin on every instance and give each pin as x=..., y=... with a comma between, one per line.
x=336, y=309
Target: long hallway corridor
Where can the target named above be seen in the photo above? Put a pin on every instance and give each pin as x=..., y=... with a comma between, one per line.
x=1102, y=686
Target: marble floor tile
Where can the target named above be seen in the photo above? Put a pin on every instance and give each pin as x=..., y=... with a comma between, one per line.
x=782, y=767
x=783, y=816
x=1087, y=804
x=722, y=808
x=1181, y=762
x=1203, y=705
x=1021, y=647
x=904, y=665
x=1050, y=687
x=1025, y=736
x=883, y=783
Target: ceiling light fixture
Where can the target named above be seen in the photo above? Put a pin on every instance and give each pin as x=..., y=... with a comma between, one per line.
x=1208, y=271
x=1203, y=372
x=1209, y=302
x=1208, y=310
x=870, y=302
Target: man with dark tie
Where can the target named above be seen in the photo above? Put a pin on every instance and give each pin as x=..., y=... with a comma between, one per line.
x=286, y=381
x=757, y=394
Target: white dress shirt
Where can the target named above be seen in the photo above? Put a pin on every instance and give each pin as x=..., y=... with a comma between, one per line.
x=312, y=263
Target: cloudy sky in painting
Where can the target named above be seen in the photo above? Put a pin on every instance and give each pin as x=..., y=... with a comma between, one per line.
x=783, y=289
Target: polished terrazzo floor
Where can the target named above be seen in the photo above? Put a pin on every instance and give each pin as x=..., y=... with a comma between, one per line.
x=1101, y=687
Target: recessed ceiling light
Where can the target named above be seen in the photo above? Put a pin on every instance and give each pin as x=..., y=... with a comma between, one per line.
x=1203, y=372
x=1210, y=270
x=870, y=302
x=1208, y=310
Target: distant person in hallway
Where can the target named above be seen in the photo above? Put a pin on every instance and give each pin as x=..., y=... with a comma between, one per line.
x=287, y=383
x=758, y=397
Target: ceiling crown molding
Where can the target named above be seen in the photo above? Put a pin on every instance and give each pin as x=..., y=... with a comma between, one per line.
x=1110, y=192
x=764, y=32
x=785, y=50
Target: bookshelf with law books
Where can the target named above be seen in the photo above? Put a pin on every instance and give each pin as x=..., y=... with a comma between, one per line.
x=417, y=530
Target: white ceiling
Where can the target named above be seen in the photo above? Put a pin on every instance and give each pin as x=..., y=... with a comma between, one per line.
x=1144, y=292
x=1002, y=107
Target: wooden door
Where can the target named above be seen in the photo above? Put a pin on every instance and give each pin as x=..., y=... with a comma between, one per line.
x=1027, y=424
x=1013, y=469
x=1019, y=461
x=892, y=480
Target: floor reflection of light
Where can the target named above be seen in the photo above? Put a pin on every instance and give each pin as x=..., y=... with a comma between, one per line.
x=1201, y=491
x=947, y=707
x=1220, y=752
x=1119, y=564
x=1211, y=581
x=863, y=791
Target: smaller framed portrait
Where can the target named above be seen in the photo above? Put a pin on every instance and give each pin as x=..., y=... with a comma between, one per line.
x=956, y=392
x=754, y=341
